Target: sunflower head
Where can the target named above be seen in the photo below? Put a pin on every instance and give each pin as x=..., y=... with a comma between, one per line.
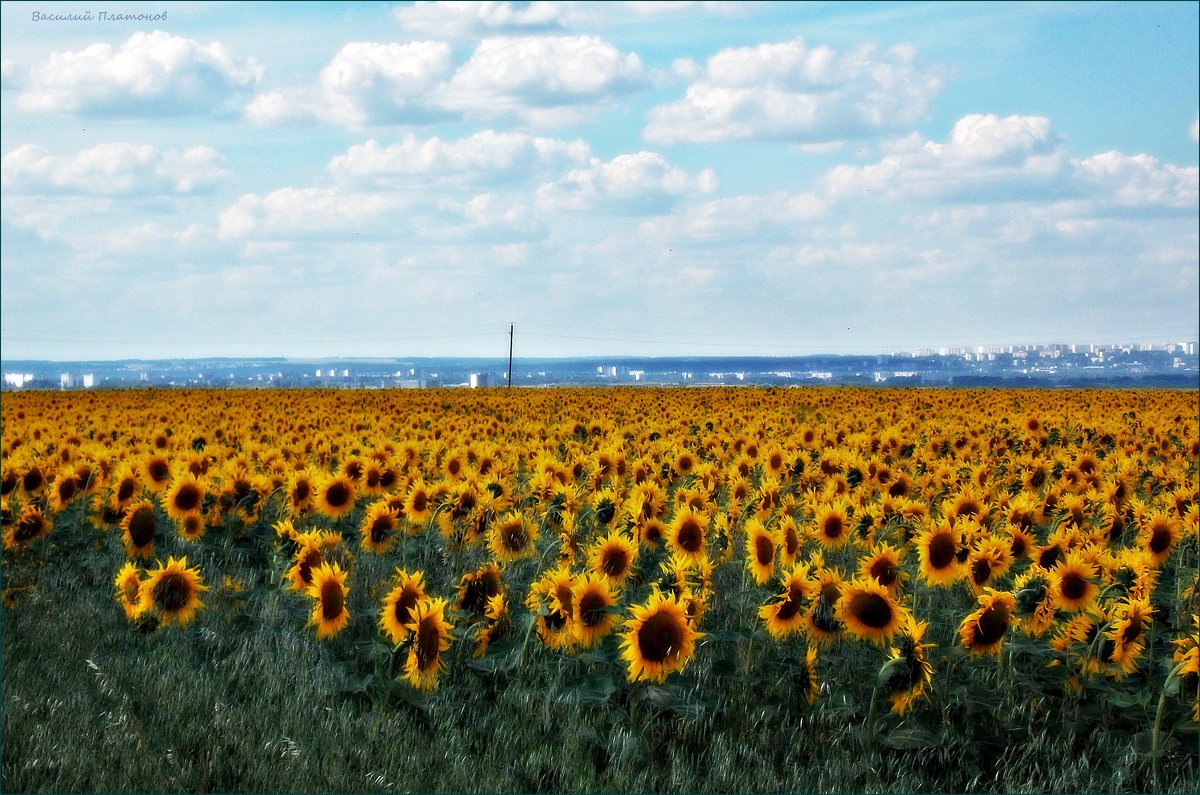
x=983, y=631
x=398, y=605
x=172, y=592
x=430, y=640
x=868, y=611
x=658, y=640
x=328, y=591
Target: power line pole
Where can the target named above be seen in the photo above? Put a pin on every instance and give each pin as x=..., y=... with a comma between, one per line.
x=510, y=346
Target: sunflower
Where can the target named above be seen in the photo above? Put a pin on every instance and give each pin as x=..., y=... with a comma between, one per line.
x=28, y=527
x=328, y=591
x=172, y=592
x=129, y=590
x=476, y=588
x=883, y=566
x=512, y=537
x=1159, y=536
x=761, y=546
x=790, y=542
x=308, y=557
x=821, y=621
x=651, y=533
x=805, y=679
x=1034, y=602
x=418, y=504
x=785, y=616
x=613, y=557
x=1073, y=583
x=908, y=672
x=378, y=527
x=552, y=598
x=658, y=639
x=184, y=497
x=139, y=527
x=868, y=611
x=497, y=625
x=157, y=470
x=592, y=600
x=335, y=496
x=686, y=534
x=300, y=492
x=63, y=489
x=983, y=631
x=1128, y=622
x=989, y=560
x=937, y=548
x=430, y=632
x=831, y=525
x=397, y=607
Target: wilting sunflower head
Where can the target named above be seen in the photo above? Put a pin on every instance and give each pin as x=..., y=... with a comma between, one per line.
x=29, y=526
x=983, y=631
x=476, y=588
x=512, y=537
x=172, y=592
x=658, y=640
x=907, y=674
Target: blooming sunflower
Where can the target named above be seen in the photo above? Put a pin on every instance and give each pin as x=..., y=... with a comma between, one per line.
x=172, y=592
x=184, y=497
x=512, y=537
x=1073, y=583
x=592, y=600
x=1159, y=536
x=657, y=640
x=686, y=533
x=397, y=607
x=883, y=566
x=28, y=527
x=430, y=633
x=868, y=612
x=937, y=548
x=1128, y=622
x=613, y=557
x=335, y=496
x=328, y=591
x=785, y=616
x=139, y=528
x=129, y=590
x=378, y=527
x=418, y=504
x=983, y=631
x=761, y=546
x=821, y=621
x=989, y=559
x=831, y=525
x=552, y=597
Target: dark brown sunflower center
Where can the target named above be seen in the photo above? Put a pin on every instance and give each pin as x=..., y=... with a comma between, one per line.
x=992, y=625
x=1160, y=539
x=125, y=489
x=789, y=608
x=513, y=536
x=660, y=637
x=968, y=508
x=338, y=494
x=171, y=592
x=32, y=480
x=690, y=536
x=429, y=643
x=311, y=558
x=132, y=590
x=420, y=501
x=29, y=527
x=405, y=604
x=833, y=527
x=66, y=489
x=592, y=608
x=614, y=562
x=941, y=551
x=764, y=550
x=301, y=492
x=981, y=570
x=884, y=571
x=332, y=599
x=1049, y=557
x=871, y=610
x=1074, y=586
x=187, y=498
x=142, y=526
x=652, y=532
x=159, y=470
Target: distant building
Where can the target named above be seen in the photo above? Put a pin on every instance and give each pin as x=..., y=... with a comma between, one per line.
x=480, y=380
x=17, y=380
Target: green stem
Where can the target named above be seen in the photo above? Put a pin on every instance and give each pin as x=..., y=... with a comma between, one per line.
x=869, y=728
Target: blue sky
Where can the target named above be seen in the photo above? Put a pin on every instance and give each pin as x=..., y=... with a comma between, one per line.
x=380, y=179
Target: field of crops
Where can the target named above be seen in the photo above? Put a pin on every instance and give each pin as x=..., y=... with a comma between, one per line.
x=733, y=590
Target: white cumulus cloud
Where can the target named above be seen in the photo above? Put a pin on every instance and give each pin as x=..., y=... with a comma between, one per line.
x=541, y=78
x=365, y=83
x=112, y=169
x=484, y=156
x=304, y=212
x=480, y=18
x=794, y=92
x=637, y=182
x=150, y=74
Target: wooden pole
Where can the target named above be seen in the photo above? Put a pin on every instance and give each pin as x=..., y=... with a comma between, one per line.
x=510, y=347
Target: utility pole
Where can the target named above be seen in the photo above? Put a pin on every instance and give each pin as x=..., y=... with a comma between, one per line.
x=510, y=343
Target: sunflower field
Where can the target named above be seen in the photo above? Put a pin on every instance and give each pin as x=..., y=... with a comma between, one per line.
x=620, y=589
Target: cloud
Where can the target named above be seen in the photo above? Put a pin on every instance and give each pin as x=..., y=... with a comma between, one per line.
x=642, y=182
x=10, y=74
x=294, y=213
x=365, y=83
x=664, y=7
x=476, y=19
x=113, y=169
x=151, y=74
x=793, y=92
x=484, y=156
x=737, y=220
x=990, y=159
x=544, y=79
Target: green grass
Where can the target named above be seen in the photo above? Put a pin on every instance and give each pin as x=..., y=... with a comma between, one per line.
x=246, y=699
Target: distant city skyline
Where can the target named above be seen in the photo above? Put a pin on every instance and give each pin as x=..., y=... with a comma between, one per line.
x=370, y=179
